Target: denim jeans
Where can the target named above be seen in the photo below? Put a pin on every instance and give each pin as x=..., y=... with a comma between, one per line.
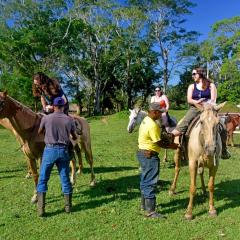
x=55, y=155
x=149, y=175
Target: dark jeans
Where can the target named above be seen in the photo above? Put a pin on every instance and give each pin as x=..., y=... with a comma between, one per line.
x=149, y=175
x=55, y=155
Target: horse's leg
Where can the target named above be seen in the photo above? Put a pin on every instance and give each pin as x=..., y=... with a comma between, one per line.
x=33, y=167
x=212, y=174
x=89, y=158
x=80, y=162
x=192, y=190
x=201, y=174
x=165, y=156
x=177, y=160
x=29, y=173
x=231, y=139
x=73, y=171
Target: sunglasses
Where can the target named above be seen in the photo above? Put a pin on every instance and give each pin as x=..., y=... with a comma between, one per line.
x=193, y=74
x=157, y=90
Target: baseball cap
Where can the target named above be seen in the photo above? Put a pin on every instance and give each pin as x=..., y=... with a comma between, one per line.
x=155, y=107
x=58, y=101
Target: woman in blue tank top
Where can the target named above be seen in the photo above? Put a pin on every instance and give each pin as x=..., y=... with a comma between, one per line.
x=202, y=90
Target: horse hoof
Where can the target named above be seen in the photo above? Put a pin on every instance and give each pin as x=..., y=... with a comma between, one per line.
x=212, y=213
x=73, y=181
x=79, y=172
x=28, y=176
x=93, y=183
x=188, y=216
x=34, y=199
x=172, y=193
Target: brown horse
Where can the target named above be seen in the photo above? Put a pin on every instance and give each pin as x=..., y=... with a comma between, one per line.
x=203, y=149
x=25, y=123
x=231, y=124
x=6, y=123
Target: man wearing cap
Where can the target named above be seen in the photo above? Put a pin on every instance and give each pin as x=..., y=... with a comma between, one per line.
x=57, y=128
x=150, y=143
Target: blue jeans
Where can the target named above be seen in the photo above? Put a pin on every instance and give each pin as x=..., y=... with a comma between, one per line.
x=149, y=175
x=60, y=156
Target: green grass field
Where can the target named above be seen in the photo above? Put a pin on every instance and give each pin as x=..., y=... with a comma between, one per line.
x=111, y=209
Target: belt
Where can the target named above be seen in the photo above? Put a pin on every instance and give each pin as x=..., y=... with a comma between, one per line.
x=149, y=153
x=56, y=145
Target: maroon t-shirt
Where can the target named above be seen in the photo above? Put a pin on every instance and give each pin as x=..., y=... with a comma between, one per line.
x=58, y=127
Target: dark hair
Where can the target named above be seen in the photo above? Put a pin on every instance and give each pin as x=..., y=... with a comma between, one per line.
x=45, y=83
x=202, y=74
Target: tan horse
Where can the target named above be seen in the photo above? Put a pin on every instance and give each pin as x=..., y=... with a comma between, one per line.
x=203, y=150
x=25, y=123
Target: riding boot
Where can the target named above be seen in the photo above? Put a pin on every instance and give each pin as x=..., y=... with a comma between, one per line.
x=41, y=203
x=223, y=133
x=68, y=202
x=150, y=205
x=142, y=206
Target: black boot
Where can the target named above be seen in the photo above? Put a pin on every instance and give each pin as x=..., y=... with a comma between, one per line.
x=68, y=202
x=142, y=207
x=41, y=203
x=223, y=133
x=150, y=204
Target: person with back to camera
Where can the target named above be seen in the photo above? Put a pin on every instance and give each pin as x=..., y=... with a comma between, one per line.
x=150, y=143
x=202, y=90
x=57, y=128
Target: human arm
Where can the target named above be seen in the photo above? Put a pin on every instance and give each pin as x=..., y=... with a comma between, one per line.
x=152, y=99
x=42, y=126
x=213, y=92
x=43, y=102
x=165, y=98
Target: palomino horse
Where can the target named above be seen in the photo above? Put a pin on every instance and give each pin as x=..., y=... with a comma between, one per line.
x=26, y=123
x=204, y=148
x=135, y=118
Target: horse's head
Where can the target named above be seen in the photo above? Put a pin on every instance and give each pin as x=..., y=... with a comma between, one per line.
x=209, y=121
x=3, y=97
x=133, y=119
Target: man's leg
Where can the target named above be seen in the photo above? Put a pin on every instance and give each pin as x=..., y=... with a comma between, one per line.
x=63, y=169
x=45, y=171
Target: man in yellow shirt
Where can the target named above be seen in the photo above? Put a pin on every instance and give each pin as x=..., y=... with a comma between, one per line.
x=149, y=144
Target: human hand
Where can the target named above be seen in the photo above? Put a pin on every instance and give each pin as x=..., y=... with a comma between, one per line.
x=201, y=100
x=49, y=108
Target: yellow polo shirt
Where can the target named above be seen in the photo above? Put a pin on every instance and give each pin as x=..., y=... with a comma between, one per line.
x=149, y=135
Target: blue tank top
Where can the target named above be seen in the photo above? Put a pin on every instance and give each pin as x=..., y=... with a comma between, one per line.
x=197, y=94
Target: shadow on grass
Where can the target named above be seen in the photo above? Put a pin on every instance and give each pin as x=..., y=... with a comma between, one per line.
x=228, y=191
x=9, y=176
x=12, y=170
x=108, y=169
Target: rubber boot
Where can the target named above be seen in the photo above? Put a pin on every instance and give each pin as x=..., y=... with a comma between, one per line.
x=41, y=203
x=68, y=202
x=223, y=133
x=142, y=206
x=150, y=204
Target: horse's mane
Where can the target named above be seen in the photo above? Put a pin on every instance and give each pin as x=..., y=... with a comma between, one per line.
x=22, y=106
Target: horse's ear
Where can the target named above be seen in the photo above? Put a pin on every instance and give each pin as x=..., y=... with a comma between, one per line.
x=5, y=93
x=219, y=106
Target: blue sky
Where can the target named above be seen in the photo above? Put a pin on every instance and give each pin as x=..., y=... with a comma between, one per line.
x=207, y=12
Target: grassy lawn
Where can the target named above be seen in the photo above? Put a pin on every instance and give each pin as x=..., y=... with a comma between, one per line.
x=111, y=209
